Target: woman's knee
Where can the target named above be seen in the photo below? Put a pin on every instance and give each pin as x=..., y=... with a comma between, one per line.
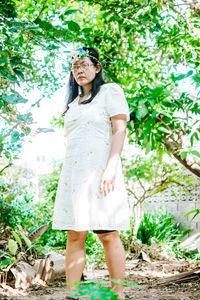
x=108, y=237
x=76, y=236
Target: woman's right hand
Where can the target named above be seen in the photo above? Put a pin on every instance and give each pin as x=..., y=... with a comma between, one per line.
x=107, y=183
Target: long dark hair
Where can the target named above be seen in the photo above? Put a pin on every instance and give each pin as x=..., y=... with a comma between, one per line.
x=74, y=88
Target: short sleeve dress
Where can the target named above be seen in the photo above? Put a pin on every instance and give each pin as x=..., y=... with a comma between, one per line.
x=79, y=205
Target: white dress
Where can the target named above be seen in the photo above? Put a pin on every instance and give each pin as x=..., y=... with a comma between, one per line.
x=79, y=205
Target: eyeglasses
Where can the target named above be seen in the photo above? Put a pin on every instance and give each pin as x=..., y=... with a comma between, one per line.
x=83, y=66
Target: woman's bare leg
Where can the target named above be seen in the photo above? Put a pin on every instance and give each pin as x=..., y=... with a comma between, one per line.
x=75, y=257
x=115, y=258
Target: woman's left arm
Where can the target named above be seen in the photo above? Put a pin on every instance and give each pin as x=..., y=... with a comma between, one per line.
x=107, y=183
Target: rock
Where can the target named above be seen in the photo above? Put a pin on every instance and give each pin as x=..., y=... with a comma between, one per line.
x=145, y=257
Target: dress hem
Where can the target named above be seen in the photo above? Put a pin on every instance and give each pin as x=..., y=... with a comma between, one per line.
x=89, y=228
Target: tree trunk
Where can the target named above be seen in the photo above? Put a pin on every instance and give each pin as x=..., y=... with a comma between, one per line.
x=188, y=162
x=43, y=271
x=138, y=213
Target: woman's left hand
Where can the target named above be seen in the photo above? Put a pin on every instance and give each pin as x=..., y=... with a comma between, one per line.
x=107, y=183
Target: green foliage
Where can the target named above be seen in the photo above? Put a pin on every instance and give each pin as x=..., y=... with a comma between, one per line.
x=96, y=290
x=186, y=254
x=195, y=212
x=94, y=250
x=44, y=208
x=6, y=260
x=32, y=36
x=16, y=195
x=9, y=256
x=148, y=47
x=146, y=176
x=143, y=46
x=162, y=226
x=12, y=246
x=128, y=236
x=48, y=183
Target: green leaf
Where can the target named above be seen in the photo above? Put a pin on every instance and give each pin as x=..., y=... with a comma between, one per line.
x=39, y=130
x=183, y=154
x=71, y=11
x=142, y=109
x=87, y=30
x=196, y=153
x=6, y=73
x=26, y=240
x=196, y=79
x=17, y=238
x=73, y=26
x=5, y=263
x=160, y=155
x=45, y=25
x=14, y=98
x=181, y=76
x=12, y=246
x=195, y=212
x=163, y=129
x=3, y=60
x=190, y=212
x=148, y=148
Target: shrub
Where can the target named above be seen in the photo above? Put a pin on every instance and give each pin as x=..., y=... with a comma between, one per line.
x=162, y=226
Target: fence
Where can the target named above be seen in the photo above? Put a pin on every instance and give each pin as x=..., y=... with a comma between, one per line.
x=178, y=203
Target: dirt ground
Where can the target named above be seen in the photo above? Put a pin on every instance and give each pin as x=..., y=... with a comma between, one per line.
x=146, y=275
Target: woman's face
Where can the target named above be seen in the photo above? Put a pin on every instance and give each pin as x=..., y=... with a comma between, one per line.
x=84, y=71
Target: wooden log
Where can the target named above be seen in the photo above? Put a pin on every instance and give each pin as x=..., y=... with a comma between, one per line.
x=24, y=275
x=44, y=271
x=58, y=266
x=183, y=277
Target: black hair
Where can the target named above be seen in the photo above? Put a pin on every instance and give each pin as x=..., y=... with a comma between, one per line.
x=96, y=83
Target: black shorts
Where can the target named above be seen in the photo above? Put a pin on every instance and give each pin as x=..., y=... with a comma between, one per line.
x=102, y=231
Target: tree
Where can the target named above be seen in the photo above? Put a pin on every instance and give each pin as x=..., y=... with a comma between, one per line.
x=142, y=45
x=31, y=39
x=146, y=177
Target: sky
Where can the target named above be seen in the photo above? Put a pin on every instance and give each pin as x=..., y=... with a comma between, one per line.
x=40, y=149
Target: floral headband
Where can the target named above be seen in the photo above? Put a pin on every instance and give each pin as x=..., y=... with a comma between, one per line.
x=76, y=55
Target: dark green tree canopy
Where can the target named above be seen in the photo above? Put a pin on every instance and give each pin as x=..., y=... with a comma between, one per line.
x=144, y=46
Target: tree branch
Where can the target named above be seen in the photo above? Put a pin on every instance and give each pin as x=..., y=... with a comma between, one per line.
x=130, y=191
x=11, y=129
x=1, y=171
x=175, y=147
x=166, y=126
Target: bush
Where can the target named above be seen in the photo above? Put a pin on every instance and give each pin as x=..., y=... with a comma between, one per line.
x=162, y=226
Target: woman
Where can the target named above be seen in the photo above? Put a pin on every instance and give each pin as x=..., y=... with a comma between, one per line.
x=91, y=194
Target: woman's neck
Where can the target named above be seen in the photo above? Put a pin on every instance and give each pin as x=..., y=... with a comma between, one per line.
x=87, y=90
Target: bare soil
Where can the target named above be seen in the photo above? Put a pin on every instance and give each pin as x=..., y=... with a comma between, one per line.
x=146, y=275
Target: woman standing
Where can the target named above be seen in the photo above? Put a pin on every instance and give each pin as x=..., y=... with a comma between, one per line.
x=91, y=194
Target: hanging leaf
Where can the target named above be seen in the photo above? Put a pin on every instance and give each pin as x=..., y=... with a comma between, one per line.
x=14, y=98
x=44, y=130
x=163, y=129
x=73, y=26
x=183, y=154
x=196, y=153
x=181, y=76
x=71, y=11
x=142, y=109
